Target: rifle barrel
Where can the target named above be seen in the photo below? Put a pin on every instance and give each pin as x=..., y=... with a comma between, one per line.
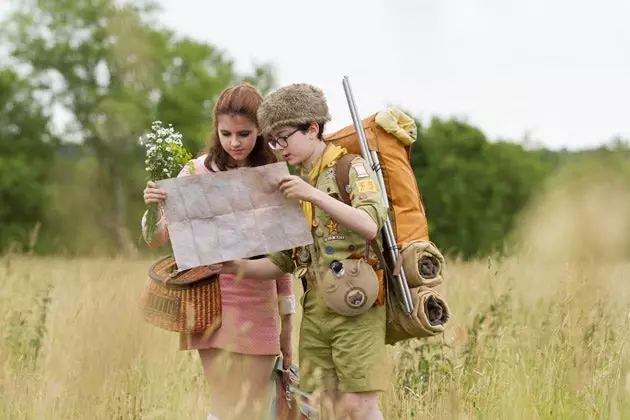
x=372, y=158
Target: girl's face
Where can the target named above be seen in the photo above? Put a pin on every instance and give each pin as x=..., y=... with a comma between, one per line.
x=237, y=135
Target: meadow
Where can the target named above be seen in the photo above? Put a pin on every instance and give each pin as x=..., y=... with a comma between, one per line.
x=539, y=332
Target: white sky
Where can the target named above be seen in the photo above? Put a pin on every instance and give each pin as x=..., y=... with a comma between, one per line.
x=559, y=69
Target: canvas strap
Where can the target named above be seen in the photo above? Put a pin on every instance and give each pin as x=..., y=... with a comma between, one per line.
x=342, y=174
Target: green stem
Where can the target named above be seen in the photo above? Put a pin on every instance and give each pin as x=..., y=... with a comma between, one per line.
x=152, y=218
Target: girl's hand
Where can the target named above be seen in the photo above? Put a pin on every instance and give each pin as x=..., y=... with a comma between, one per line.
x=152, y=194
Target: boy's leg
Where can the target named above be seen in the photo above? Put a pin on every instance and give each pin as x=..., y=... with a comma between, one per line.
x=360, y=405
x=360, y=359
x=317, y=371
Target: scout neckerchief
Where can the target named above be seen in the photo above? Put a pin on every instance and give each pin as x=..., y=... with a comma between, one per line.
x=328, y=157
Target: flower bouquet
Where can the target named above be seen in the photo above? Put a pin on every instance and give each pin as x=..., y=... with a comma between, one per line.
x=165, y=158
x=175, y=300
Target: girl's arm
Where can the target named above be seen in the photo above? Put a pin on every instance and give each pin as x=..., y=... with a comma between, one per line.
x=160, y=235
x=152, y=194
x=286, y=299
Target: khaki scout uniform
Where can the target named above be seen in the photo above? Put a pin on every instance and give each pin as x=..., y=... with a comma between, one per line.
x=349, y=351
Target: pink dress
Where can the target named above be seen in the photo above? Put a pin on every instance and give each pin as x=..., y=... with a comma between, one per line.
x=250, y=315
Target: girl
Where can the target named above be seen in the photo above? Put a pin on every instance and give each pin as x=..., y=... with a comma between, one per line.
x=238, y=358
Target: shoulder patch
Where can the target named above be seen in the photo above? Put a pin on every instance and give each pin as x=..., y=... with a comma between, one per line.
x=366, y=186
x=360, y=169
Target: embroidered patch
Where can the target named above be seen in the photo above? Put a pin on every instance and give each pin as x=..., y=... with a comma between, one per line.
x=329, y=250
x=334, y=238
x=360, y=169
x=332, y=227
x=366, y=186
x=355, y=297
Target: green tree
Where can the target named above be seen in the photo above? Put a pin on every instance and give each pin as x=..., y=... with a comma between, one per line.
x=26, y=156
x=473, y=189
x=114, y=71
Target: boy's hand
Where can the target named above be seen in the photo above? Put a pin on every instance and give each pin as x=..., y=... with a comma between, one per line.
x=229, y=267
x=293, y=186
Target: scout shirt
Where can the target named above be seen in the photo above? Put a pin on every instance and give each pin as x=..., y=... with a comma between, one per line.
x=331, y=240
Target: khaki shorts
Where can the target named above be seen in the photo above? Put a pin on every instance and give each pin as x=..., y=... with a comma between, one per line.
x=346, y=353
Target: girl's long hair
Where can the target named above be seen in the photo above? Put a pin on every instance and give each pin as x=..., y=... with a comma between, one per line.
x=243, y=99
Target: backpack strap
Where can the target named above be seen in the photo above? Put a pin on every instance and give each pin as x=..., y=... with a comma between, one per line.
x=342, y=174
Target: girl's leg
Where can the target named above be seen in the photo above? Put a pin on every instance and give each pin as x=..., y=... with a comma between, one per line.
x=239, y=384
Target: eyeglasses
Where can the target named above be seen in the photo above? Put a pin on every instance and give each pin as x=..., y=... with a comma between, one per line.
x=282, y=141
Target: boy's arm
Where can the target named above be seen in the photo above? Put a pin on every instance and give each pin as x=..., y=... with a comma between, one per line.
x=269, y=268
x=354, y=219
x=367, y=214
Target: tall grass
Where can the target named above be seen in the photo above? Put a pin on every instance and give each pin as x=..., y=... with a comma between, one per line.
x=540, y=333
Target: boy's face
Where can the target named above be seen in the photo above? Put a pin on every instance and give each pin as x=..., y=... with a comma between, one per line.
x=293, y=145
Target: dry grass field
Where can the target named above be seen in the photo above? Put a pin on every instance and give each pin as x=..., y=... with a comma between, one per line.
x=541, y=333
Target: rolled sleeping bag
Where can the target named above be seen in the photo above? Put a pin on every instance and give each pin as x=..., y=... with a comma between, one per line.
x=423, y=264
x=428, y=318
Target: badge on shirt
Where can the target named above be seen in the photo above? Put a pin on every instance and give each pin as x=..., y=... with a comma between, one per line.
x=334, y=238
x=359, y=167
x=332, y=227
x=366, y=186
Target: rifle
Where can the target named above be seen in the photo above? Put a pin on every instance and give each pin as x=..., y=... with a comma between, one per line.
x=389, y=240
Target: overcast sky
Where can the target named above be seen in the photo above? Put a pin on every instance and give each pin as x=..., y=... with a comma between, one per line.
x=558, y=69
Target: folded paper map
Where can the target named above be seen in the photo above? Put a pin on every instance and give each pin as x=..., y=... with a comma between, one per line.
x=233, y=214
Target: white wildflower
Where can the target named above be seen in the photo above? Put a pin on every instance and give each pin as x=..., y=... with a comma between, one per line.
x=165, y=156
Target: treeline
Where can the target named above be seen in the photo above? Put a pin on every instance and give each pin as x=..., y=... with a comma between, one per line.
x=112, y=70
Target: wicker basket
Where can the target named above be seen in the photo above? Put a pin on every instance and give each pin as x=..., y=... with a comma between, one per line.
x=188, y=301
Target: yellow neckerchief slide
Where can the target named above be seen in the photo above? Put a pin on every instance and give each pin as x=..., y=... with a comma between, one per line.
x=330, y=155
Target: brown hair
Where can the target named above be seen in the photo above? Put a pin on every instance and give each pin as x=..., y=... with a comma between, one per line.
x=243, y=99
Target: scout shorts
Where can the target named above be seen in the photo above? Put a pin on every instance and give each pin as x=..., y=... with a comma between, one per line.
x=335, y=351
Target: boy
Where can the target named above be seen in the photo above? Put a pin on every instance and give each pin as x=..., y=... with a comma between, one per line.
x=341, y=352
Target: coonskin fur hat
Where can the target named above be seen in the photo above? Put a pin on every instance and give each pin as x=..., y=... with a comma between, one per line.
x=295, y=104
